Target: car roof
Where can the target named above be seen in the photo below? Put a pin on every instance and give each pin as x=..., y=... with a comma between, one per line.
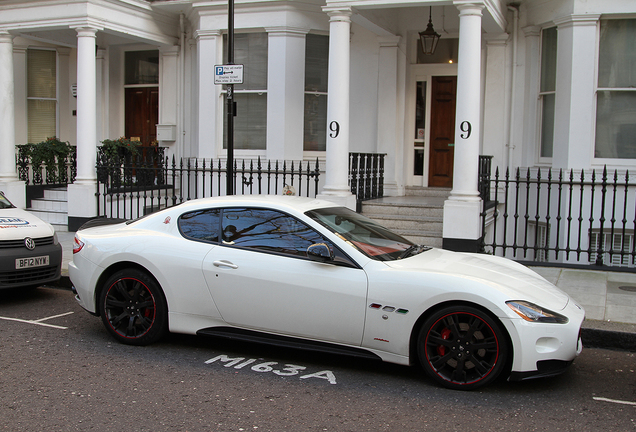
x=295, y=203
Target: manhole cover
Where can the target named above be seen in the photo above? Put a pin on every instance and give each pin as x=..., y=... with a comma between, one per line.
x=627, y=288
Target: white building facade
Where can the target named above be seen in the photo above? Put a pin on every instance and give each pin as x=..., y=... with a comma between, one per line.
x=535, y=83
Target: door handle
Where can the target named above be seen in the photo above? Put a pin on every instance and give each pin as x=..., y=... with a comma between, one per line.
x=223, y=263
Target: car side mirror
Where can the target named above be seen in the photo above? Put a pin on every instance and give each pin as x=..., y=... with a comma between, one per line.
x=320, y=252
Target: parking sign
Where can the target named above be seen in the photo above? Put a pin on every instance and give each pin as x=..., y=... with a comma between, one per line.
x=228, y=74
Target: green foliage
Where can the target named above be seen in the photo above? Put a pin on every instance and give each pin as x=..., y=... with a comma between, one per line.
x=46, y=152
x=49, y=157
x=120, y=147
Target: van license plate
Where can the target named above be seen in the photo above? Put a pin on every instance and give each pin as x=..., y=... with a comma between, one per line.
x=22, y=263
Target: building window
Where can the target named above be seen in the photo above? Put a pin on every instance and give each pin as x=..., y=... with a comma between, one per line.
x=142, y=67
x=250, y=123
x=616, y=96
x=41, y=94
x=538, y=234
x=618, y=247
x=316, y=73
x=548, y=89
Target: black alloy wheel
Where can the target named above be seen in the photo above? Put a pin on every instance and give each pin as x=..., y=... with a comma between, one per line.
x=133, y=308
x=462, y=348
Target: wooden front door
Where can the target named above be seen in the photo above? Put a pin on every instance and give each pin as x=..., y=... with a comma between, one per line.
x=442, y=131
x=142, y=114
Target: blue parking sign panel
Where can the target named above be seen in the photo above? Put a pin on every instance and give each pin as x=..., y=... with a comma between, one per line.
x=228, y=74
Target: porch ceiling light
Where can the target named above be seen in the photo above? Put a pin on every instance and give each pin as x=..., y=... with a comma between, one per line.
x=429, y=37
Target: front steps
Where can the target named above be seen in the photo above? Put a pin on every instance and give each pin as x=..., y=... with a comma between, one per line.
x=418, y=216
x=52, y=208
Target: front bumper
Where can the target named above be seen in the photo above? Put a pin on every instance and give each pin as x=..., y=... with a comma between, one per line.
x=10, y=277
x=545, y=368
x=545, y=349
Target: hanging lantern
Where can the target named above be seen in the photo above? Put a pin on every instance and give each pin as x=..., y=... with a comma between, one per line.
x=429, y=38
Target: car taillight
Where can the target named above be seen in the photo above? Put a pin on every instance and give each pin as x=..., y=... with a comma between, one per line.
x=77, y=245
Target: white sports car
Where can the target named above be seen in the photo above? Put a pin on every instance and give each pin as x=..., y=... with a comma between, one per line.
x=306, y=273
x=30, y=254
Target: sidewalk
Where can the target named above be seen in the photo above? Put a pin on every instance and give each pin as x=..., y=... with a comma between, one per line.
x=609, y=299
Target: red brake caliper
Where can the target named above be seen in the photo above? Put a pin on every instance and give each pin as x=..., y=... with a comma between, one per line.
x=441, y=350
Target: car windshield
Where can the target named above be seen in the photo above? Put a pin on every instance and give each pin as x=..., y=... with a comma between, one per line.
x=370, y=238
x=5, y=203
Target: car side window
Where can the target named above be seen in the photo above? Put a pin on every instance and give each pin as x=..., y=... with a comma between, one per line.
x=201, y=225
x=267, y=230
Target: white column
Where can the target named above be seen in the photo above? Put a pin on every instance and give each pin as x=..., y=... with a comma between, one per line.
x=210, y=127
x=285, y=93
x=82, y=202
x=390, y=109
x=530, y=139
x=7, y=102
x=462, y=223
x=497, y=98
x=101, y=95
x=20, y=94
x=168, y=95
x=574, y=120
x=336, y=187
x=9, y=183
x=86, y=105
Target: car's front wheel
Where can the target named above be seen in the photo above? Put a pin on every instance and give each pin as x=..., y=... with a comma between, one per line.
x=133, y=308
x=462, y=348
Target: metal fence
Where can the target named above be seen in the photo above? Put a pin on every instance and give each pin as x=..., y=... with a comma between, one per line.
x=50, y=170
x=133, y=186
x=573, y=217
x=366, y=176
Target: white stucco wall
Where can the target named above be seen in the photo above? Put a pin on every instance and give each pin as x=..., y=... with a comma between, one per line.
x=364, y=90
x=510, y=116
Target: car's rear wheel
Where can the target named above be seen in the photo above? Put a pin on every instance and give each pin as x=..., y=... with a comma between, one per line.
x=133, y=308
x=463, y=348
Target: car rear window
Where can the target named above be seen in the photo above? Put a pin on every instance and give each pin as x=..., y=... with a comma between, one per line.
x=201, y=225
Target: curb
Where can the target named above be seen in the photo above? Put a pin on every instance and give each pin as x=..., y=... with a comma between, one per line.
x=608, y=339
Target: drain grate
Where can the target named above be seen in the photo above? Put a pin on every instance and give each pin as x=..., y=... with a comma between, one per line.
x=627, y=288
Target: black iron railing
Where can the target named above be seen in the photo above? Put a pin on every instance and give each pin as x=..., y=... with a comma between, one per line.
x=135, y=185
x=37, y=166
x=562, y=217
x=485, y=172
x=366, y=176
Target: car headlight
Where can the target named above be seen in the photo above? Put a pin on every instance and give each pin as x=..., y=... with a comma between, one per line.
x=55, y=239
x=533, y=313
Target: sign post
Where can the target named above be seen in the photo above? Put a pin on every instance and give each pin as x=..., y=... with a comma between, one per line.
x=229, y=75
x=229, y=170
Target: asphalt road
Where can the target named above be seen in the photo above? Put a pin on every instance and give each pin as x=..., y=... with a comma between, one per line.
x=60, y=371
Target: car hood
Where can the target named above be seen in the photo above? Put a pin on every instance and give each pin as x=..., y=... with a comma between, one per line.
x=515, y=280
x=18, y=224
